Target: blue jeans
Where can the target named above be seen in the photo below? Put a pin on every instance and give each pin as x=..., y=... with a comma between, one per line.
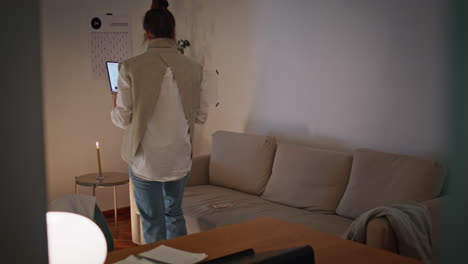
x=160, y=207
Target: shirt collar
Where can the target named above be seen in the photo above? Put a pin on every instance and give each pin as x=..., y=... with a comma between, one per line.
x=161, y=43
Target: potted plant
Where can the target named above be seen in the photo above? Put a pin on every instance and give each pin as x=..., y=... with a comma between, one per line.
x=182, y=44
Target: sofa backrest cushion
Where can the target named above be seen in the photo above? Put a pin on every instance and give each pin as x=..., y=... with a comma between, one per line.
x=241, y=162
x=308, y=178
x=379, y=179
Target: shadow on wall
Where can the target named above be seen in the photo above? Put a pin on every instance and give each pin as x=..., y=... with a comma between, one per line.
x=330, y=73
x=346, y=78
x=295, y=134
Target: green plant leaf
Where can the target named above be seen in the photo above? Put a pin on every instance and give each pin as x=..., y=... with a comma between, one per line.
x=182, y=44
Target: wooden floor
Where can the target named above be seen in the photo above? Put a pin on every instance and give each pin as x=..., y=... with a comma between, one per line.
x=123, y=236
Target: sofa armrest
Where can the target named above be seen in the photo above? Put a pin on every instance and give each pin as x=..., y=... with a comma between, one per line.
x=436, y=210
x=200, y=171
x=379, y=234
x=435, y=207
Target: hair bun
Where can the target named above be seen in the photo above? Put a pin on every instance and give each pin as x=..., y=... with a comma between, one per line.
x=159, y=4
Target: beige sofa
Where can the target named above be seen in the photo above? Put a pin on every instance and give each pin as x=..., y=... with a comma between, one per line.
x=251, y=176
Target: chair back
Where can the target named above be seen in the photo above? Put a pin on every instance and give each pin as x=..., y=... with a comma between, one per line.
x=86, y=206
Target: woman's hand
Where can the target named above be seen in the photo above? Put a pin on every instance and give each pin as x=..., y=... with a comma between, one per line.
x=114, y=98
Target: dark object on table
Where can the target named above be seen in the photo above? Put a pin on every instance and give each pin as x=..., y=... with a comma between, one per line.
x=299, y=255
x=237, y=257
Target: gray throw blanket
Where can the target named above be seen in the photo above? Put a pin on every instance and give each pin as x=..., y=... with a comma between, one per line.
x=410, y=222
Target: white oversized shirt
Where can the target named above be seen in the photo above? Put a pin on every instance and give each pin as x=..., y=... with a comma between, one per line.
x=165, y=150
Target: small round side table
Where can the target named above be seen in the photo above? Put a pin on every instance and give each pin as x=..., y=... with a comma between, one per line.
x=111, y=179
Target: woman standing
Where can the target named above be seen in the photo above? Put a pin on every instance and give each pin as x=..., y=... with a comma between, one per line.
x=160, y=99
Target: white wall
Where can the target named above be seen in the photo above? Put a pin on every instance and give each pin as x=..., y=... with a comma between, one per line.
x=77, y=108
x=330, y=73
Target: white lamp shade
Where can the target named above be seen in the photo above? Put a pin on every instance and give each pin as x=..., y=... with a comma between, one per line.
x=73, y=238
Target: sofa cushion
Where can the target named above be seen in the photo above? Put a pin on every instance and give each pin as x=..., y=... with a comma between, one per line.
x=241, y=162
x=207, y=207
x=308, y=178
x=382, y=179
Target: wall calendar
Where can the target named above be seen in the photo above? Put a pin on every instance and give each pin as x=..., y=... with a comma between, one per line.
x=110, y=39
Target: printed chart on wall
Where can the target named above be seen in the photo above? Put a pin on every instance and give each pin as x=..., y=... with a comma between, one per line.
x=110, y=39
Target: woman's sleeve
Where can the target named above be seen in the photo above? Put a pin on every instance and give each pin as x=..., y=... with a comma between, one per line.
x=121, y=115
x=202, y=114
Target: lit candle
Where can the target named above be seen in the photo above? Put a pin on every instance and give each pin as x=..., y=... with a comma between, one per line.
x=98, y=158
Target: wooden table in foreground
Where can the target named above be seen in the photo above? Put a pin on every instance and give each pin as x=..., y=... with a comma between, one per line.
x=267, y=234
